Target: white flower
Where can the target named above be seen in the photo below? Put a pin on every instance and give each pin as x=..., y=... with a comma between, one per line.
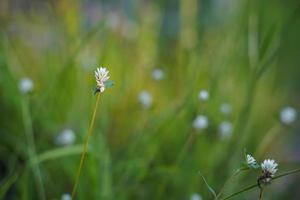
x=145, y=98
x=25, y=85
x=196, y=196
x=269, y=167
x=225, y=129
x=101, y=75
x=250, y=160
x=203, y=95
x=226, y=108
x=66, y=137
x=201, y=122
x=66, y=196
x=288, y=115
x=157, y=74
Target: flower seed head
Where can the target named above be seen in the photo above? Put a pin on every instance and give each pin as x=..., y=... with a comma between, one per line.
x=250, y=160
x=269, y=167
x=101, y=75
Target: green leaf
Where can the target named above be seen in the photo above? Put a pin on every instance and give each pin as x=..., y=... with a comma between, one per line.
x=57, y=153
x=209, y=188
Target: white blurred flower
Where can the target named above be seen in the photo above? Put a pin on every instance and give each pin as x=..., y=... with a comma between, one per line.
x=157, y=74
x=66, y=137
x=203, y=95
x=145, y=98
x=25, y=85
x=101, y=75
x=226, y=108
x=288, y=115
x=201, y=122
x=66, y=196
x=250, y=160
x=196, y=196
x=225, y=129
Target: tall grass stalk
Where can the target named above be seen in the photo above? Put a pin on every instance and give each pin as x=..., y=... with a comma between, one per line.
x=85, y=146
x=31, y=147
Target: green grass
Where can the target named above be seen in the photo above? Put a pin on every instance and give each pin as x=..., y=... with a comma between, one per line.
x=247, y=57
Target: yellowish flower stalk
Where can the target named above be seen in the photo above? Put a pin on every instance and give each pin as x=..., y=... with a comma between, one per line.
x=101, y=75
x=85, y=146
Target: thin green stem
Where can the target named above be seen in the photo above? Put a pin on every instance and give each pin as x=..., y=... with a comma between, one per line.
x=241, y=191
x=256, y=185
x=85, y=146
x=237, y=172
x=31, y=147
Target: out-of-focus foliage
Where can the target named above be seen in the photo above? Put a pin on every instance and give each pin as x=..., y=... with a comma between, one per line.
x=153, y=132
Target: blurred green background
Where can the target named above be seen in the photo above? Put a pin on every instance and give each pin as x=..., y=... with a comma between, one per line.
x=196, y=83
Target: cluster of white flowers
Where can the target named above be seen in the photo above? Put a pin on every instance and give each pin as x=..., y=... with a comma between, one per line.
x=201, y=122
x=101, y=75
x=25, y=85
x=196, y=196
x=203, y=95
x=288, y=115
x=145, y=99
x=158, y=74
x=250, y=160
x=269, y=166
x=65, y=138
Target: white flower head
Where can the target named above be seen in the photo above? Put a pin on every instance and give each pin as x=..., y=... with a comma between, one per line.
x=25, y=85
x=66, y=196
x=196, y=196
x=203, y=95
x=226, y=108
x=145, y=99
x=225, y=129
x=288, y=115
x=66, y=137
x=157, y=74
x=101, y=75
x=269, y=166
x=250, y=160
x=201, y=122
